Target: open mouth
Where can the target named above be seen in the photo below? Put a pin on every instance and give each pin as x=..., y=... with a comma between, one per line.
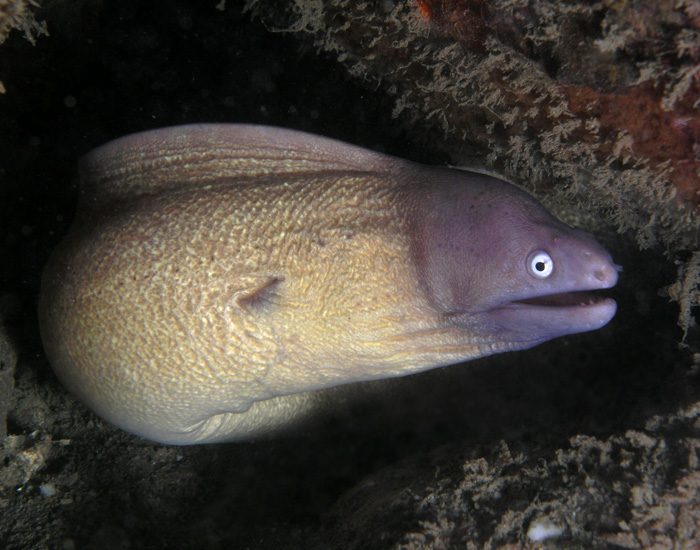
x=564, y=299
x=530, y=321
x=545, y=317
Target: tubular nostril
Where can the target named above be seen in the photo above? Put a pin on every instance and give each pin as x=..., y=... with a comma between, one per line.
x=606, y=274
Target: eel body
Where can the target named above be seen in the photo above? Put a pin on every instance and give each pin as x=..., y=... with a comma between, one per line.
x=218, y=275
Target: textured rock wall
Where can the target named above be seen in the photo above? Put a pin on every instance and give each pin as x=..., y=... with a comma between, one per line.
x=596, y=101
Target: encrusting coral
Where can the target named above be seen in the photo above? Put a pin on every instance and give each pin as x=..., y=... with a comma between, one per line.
x=15, y=14
x=511, y=496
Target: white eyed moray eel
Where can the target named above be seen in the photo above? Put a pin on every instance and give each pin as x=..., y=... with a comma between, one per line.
x=218, y=275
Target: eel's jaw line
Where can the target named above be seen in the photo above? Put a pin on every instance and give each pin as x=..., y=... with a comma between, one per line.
x=593, y=311
x=579, y=298
x=534, y=320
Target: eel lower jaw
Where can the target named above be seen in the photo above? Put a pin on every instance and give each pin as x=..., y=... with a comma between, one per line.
x=538, y=319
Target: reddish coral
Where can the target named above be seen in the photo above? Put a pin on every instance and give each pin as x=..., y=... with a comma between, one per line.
x=463, y=20
x=657, y=135
x=657, y=128
x=472, y=21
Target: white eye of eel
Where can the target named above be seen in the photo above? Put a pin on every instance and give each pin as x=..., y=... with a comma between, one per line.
x=540, y=264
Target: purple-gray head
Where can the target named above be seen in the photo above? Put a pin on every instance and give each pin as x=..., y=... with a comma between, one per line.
x=497, y=263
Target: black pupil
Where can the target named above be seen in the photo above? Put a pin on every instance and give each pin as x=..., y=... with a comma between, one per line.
x=539, y=266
